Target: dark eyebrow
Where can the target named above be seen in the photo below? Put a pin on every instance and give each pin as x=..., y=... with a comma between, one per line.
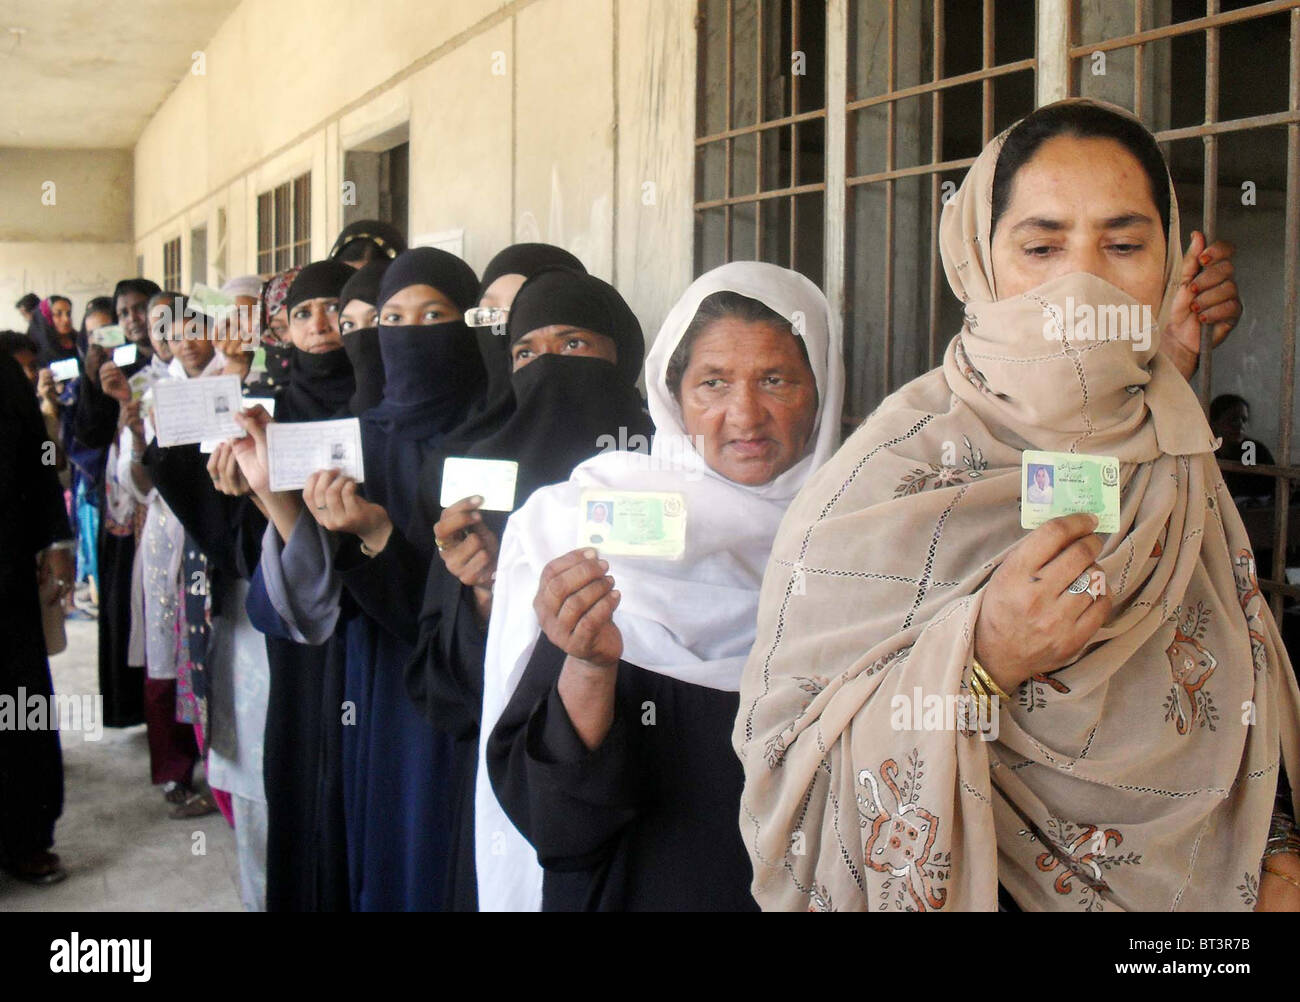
x=1126, y=219
x=1039, y=223
x=1056, y=225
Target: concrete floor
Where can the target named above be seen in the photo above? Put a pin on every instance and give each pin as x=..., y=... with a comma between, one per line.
x=121, y=850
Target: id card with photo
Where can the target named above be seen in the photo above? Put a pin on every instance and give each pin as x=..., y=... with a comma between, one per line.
x=1053, y=484
x=125, y=355
x=492, y=479
x=187, y=411
x=296, y=451
x=633, y=523
x=209, y=445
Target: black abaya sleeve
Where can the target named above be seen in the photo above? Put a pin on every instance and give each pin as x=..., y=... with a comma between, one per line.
x=569, y=802
x=388, y=585
x=444, y=676
x=31, y=498
x=94, y=420
x=227, y=529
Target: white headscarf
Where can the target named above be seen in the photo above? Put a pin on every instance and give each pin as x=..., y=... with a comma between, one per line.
x=244, y=285
x=691, y=619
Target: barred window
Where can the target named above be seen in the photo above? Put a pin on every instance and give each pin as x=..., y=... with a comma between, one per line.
x=761, y=134
x=1218, y=82
x=284, y=226
x=172, y=264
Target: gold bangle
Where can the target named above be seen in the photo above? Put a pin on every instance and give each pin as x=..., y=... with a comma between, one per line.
x=1278, y=873
x=977, y=670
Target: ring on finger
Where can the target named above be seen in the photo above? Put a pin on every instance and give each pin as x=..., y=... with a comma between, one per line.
x=1080, y=584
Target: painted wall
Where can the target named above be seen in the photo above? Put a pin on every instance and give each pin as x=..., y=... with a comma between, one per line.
x=536, y=119
x=66, y=225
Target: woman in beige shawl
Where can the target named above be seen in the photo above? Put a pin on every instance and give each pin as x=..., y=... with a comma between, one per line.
x=1151, y=711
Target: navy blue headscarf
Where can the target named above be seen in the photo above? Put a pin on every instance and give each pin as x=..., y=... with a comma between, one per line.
x=432, y=375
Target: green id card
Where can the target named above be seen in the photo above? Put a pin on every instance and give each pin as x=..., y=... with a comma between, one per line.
x=633, y=523
x=1053, y=484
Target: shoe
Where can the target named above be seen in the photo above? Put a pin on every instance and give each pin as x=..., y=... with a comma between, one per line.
x=196, y=806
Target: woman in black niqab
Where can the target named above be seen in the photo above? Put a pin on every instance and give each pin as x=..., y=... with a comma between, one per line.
x=567, y=408
x=362, y=343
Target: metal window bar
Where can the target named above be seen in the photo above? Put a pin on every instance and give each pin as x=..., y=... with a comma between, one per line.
x=986, y=76
x=284, y=225
x=301, y=235
x=172, y=264
x=1209, y=131
x=761, y=126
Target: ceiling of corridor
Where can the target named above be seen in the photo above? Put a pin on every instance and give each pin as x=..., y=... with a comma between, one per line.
x=90, y=73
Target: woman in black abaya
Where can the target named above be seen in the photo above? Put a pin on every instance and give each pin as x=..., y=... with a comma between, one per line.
x=576, y=350
x=32, y=517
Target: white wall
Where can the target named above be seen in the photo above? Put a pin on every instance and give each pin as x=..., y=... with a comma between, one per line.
x=66, y=225
x=537, y=119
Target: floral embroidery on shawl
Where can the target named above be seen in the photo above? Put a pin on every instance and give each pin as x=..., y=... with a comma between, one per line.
x=1079, y=852
x=936, y=475
x=902, y=839
x=1189, y=703
x=1252, y=602
x=1033, y=693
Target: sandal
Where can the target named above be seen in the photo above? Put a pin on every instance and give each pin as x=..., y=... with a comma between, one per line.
x=176, y=793
x=196, y=806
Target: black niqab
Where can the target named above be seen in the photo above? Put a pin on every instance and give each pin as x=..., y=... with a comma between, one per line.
x=362, y=345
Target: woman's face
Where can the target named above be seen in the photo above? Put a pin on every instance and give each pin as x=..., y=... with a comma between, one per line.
x=132, y=314
x=418, y=306
x=94, y=321
x=235, y=329
x=187, y=337
x=1081, y=205
x=278, y=326
x=357, y=315
x=314, y=326
x=160, y=328
x=562, y=339
x=501, y=293
x=61, y=312
x=749, y=400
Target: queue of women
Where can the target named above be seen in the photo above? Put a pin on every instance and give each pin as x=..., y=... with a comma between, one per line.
x=409, y=706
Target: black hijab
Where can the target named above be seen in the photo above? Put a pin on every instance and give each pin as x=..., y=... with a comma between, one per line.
x=320, y=385
x=499, y=400
x=563, y=404
x=362, y=344
x=432, y=373
x=384, y=237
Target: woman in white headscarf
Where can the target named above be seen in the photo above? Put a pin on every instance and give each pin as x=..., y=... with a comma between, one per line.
x=613, y=684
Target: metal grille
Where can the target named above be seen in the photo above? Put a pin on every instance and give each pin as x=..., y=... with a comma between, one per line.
x=302, y=219
x=284, y=226
x=919, y=111
x=1233, y=143
x=761, y=134
x=199, y=254
x=172, y=264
